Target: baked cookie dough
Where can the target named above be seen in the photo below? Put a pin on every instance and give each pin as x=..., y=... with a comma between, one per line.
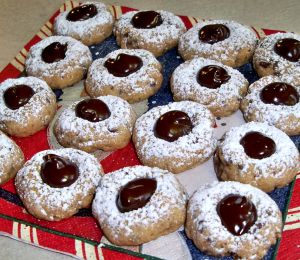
x=133, y=75
x=219, y=87
x=175, y=137
x=11, y=158
x=59, y=60
x=27, y=105
x=228, y=42
x=257, y=154
x=274, y=99
x=96, y=123
x=90, y=23
x=138, y=204
x=231, y=218
x=278, y=54
x=155, y=31
x=55, y=184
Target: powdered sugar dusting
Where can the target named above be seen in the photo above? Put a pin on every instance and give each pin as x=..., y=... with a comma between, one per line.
x=77, y=56
x=121, y=115
x=285, y=157
x=201, y=137
x=168, y=190
x=6, y=145
x=100, y=76
x=35, y=106
x=186, y=87
x=241, y=36
x=170, y=29
x=271, y=113
x=202, y=206
x=85, y=28
x=265, y=53
x=33, y=190
x=8, y=149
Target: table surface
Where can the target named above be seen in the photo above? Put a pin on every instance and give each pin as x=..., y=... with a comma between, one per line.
x=20, y=21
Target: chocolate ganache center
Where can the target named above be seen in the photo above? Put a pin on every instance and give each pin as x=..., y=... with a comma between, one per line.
x=213, y=33
x=135, y=194
x=212, y=76
x=82, y=13
x=92, y=109
x=237, y=213
x=123, y=65
x=279, y=93
x=258, y=146
x=58, y=172
x=146, y=20
x=172, y=125
x=54, y=52
x=288, y=48
x=17, y=96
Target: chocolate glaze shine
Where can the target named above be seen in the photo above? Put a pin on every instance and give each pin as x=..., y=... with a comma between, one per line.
x=288, y=48
x=237, y=213
x=257, y=145
x=54, y=52
x=279, y=93
x=172, y=125
x=213, y=33
x=17, y=96
x=212, y=76
x=58, y=172
x=135, y=194
x=146, y=20
x=93, y=110
x=82, y=13
x=123, y=65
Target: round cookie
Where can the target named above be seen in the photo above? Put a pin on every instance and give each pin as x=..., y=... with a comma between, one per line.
x=175, y=137
x=228, y=42
x=219, y=87
x=27, y=105
x=231, y=218
x=138, y=204
x=133, y=75
x=55, y=184
x=274, y=100
x=11, y=158
x=257, y=154
x=278, y=54
x=155, y=31
x=90, y=23
x=91, y=124
x=59, y=60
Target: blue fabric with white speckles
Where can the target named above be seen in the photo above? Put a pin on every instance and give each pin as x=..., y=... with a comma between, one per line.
x=170, y=61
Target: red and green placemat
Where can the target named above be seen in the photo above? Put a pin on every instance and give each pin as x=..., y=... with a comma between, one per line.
x=80, y=235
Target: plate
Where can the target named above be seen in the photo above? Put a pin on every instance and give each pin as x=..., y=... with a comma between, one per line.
x=80, y=235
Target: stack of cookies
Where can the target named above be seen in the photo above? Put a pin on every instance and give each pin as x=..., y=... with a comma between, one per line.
x=135, y=205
